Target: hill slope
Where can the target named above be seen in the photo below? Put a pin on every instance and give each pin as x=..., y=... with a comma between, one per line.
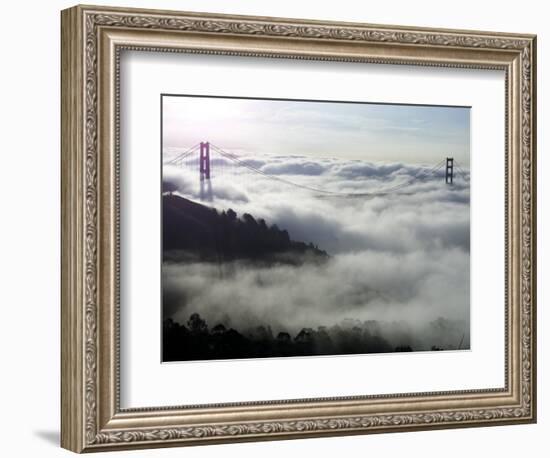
x=192, y=230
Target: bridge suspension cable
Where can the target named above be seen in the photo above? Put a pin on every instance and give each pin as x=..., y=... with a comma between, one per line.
x=465, y=176
x=424, y=173
x=420, y=175
x=182, y=156
x=261, y=172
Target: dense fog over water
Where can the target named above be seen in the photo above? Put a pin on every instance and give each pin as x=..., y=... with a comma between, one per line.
x=398, y=258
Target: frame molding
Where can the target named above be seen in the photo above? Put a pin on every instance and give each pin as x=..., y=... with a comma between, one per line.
x=92, y=38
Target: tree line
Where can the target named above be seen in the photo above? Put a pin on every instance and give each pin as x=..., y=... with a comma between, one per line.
x=221, y=236
x=195, y=340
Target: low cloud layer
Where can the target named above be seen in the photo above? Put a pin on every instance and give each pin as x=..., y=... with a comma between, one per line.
x=396, y=256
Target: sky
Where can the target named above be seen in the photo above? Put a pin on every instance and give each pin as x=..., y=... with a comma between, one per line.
x=373, y=132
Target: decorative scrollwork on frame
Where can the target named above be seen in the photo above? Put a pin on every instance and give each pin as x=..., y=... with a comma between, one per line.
x=289, y=427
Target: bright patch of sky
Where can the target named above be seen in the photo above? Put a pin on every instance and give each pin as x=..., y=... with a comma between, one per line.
x=371, y=132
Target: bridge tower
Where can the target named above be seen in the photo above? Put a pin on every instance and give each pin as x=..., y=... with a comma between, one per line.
x=449, y=170
x=204, y=161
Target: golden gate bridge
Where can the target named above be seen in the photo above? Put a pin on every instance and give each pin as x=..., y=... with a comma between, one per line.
x=212, y=160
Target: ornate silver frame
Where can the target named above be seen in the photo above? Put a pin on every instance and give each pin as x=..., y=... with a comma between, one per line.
x=92, y=38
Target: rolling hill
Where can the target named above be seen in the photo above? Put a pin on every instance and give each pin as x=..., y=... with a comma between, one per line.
x=195, y=231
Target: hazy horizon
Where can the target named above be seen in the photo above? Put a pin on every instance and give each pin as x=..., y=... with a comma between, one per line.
x=366, y=131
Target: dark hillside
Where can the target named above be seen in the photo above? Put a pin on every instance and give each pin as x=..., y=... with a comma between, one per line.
x=192, y=229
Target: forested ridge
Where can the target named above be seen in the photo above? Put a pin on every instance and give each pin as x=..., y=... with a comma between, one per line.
x=210, y=235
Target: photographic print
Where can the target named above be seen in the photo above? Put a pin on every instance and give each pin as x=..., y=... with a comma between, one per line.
x=309, y=228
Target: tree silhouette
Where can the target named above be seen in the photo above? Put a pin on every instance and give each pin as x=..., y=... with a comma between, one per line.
x=196, y=324
x=197, y=342
x=211, y=236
